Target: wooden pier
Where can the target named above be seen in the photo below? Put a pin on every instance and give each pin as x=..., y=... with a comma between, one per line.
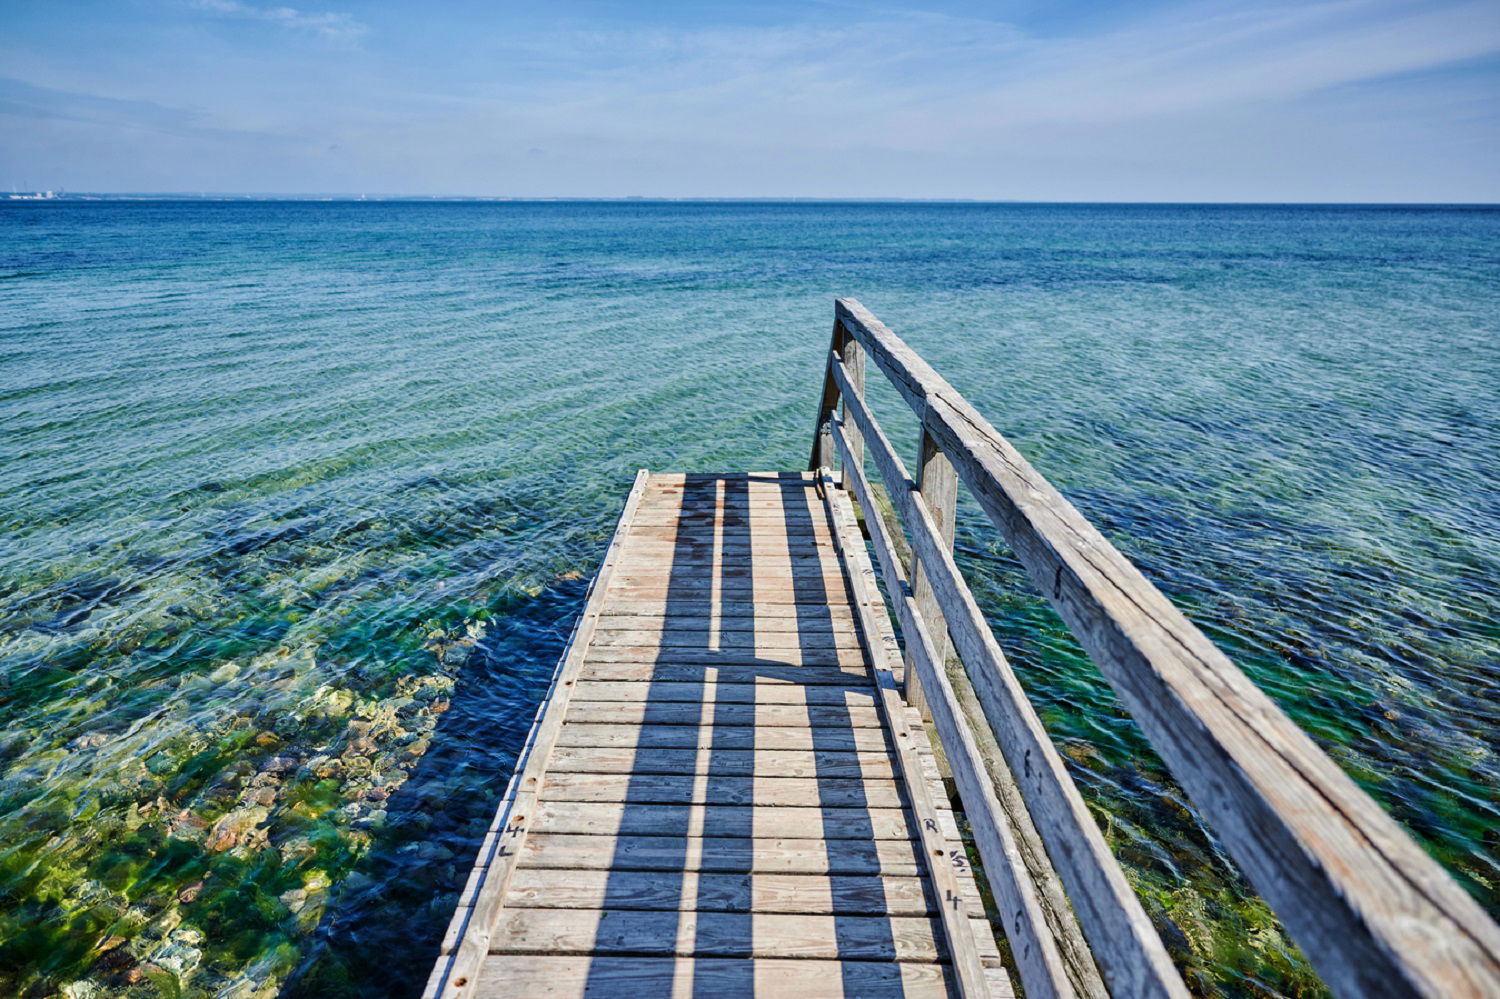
x=731, y=787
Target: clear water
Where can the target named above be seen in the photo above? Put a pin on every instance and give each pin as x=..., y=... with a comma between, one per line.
x=300, y=501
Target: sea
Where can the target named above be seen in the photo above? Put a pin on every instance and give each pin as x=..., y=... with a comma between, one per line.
x=299, y=502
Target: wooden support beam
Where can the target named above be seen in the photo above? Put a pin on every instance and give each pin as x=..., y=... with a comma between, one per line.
x=854, y=362
x=939, y=487
x=822, y=450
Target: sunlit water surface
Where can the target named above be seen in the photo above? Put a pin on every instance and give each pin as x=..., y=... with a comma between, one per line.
x=300, y=502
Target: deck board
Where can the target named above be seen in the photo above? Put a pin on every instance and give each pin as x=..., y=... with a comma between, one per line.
x=718, y=802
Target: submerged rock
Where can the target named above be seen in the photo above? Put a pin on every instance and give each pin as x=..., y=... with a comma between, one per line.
x=239, y=827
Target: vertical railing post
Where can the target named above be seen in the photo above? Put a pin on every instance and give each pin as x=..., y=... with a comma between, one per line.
x=854, y=364
x=822, y=450
x=938, y=484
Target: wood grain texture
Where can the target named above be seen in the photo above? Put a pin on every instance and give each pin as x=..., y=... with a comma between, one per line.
x=673, y=789
x=721, y=762
x=721, y=780
x=765, y=822
x=808, y=894
x=768, y=672
x=721, y=853
x=1372, y=911
x=938, y=485
x=735, y=693
x=716, y=934
x=720, y=736
x=679, y=978
x=1125, y=944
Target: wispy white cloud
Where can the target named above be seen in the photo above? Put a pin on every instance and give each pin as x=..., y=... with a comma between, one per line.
x=328, y=24
x=920, y=77
x=1340, y=99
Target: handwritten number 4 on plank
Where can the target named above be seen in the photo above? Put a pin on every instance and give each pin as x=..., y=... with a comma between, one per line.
x=512, y=831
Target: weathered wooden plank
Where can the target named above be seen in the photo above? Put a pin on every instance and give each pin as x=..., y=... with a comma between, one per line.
x=1371, y=909
x=725, y=485
x=704, y=543
x=819, y=583
x=785, y=635
x=662, y=481
x=764, y=716
x=765, y=822
x=731, y=613
x=854, y=359
x=637, y=977
x=773, y=535
x=938, y=485
x=1129, y=951
x=754, y=528
x=722, y=488
x=793, y=504
x=659, y=559
x=738, y=571
x=806, y=602
x=462, y=952
x=822, y=449
x=715, y=934
x=732, y=672
x=576, y=733
x=697, y=549
x=730, y=693
x=770, y=659
x=984, y=933
x=681, y=539
x=736, y=627
x=758, y=520
x=667, y=789
x=779, y=639
x=720, y=762
x=722, y=853
x=795, y=500
x=751, y=503
x=810, y=894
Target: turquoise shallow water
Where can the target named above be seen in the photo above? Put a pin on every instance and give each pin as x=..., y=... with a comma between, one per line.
x=300, y=501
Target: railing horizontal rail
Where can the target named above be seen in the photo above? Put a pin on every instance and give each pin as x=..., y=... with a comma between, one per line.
x=1125, y=944
x=1037, y=957
x=1374, y=914
x=955, y=917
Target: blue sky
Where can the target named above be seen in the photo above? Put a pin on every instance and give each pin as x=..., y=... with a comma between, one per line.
x=1346, y=100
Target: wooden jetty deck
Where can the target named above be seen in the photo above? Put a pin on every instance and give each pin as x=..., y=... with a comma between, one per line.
x=731, y=786
x=735, y=798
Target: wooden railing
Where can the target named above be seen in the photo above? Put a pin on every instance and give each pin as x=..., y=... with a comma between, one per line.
x=1373, y=913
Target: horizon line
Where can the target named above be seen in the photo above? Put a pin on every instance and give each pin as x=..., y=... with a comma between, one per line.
x=58, y=194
